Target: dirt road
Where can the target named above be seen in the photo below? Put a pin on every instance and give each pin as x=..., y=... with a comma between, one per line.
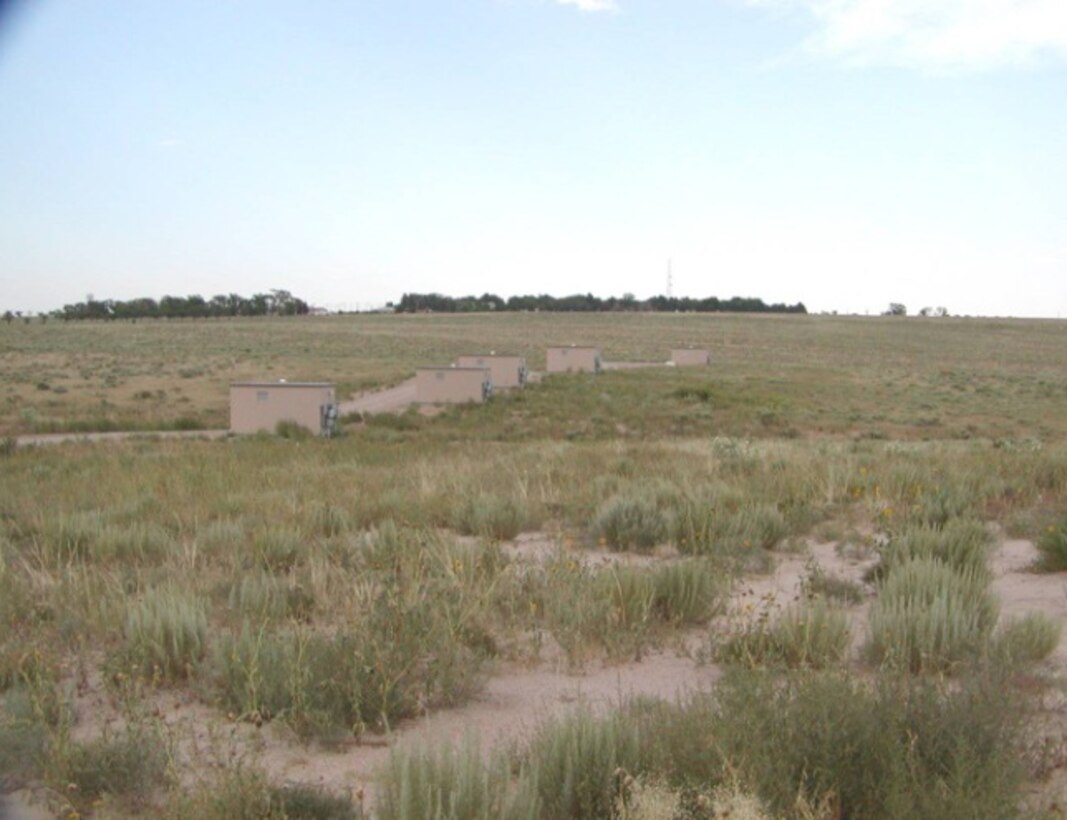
x=62, y=438
x=389, y=400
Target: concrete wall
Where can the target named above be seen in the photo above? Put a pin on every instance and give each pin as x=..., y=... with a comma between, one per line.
x=452, y=385
x=256, y=406
x=505, y=371
x=572, y=360
x=691, y=357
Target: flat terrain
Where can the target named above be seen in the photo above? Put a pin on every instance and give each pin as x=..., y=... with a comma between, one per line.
x=933, y=378
x=227, y=616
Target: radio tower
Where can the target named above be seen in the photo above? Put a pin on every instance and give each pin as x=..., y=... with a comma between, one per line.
x=670, y=280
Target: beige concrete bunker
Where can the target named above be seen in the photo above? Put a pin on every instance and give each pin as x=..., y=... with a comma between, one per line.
x=573, y=359
x=259, y=406
x=690, y=357
x=505, y=371
x=452, y=385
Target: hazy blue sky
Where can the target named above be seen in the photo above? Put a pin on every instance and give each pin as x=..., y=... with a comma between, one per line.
x=846, y=153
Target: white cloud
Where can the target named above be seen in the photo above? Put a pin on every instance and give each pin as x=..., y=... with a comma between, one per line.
x=935, y=35
x=591, y=5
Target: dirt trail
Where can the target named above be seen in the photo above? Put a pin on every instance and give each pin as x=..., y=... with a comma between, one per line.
x=389, y=400
x=63, y=438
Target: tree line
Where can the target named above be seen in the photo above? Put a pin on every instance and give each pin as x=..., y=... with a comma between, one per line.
x=274, y=303
x=438, y=303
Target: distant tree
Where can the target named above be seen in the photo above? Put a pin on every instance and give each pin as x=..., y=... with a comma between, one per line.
x=926, y=311
x=896, y=309
x=9, y=317
x=941, y=312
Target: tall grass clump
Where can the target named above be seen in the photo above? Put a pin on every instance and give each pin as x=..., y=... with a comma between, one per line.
x=810, y=634
x=725, y=523
x=961, y=543
x=931, y=617
x=689, y=591
x=278, y=551
x=262, y=596
x=1027, y=639
x=164, y=636
x=448, y=783
x=490, y=516
x=576, y=762
x=1052, y=544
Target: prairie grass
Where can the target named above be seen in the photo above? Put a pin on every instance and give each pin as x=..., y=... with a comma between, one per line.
x=245, y=792
x=128, y=766
x=962, y=544
x=165, y=636
x=811, y=634
x=1052, y=544
x=1027, y=639
x=806, y=745
x=929, y=616
x=447, y=783
x=318, y=583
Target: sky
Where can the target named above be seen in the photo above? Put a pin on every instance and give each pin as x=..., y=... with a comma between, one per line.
x=842, y=153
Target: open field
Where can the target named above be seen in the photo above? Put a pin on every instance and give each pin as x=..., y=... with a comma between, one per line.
x=800, y=583
x=945, y=378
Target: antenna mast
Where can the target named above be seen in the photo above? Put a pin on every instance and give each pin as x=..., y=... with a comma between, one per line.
x=670, y=280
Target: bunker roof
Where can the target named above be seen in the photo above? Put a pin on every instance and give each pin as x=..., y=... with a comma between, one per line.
x=282, y=384
x=453, y=367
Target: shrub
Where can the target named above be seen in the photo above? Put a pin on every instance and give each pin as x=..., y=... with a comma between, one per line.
x=930, y=617
x=165, y=635
x=1052, y=544
x=633, y=521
